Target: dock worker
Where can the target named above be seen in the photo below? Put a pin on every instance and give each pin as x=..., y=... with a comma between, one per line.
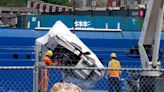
x=43, y=82
x=47, y=58
x=114, y=75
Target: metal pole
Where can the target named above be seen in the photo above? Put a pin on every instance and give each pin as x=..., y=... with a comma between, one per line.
x=35, y=71
x=74, y=16
x=42, y=68
x=157, y=36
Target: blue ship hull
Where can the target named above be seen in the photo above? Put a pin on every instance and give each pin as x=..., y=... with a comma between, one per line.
x=102, y=43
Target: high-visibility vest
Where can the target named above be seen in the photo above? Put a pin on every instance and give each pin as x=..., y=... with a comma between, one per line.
x=47, y=60
x=114, y=64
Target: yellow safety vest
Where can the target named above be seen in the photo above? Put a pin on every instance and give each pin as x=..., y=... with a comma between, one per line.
x=114, y=64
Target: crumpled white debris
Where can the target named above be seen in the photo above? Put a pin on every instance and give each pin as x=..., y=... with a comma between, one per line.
x=65, y=87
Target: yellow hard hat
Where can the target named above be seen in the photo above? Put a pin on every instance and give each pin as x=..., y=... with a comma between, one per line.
x=113, y=55
x=49, y=53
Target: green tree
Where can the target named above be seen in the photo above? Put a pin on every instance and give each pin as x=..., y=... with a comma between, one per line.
x=62, y=2
x=13, y=3
x=46, y=1
x=51, y=1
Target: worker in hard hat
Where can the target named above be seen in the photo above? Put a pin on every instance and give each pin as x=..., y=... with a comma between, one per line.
x=114, y=75
x=43, y=83
x=47, y=58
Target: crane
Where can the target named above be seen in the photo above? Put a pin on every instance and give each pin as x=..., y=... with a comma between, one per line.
x=149, y=44
x=150, y=36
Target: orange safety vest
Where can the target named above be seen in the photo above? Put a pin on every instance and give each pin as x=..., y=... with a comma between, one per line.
x=47, y=60
x=114, y=64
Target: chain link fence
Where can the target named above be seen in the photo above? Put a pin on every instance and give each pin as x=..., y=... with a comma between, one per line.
x=22, y=79
x=20, y=74
x=130, y=80
x=16, y=79
x=16, y=68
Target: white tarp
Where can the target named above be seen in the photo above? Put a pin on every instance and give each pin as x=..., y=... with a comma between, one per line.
x=61, y=31
x=60, y=35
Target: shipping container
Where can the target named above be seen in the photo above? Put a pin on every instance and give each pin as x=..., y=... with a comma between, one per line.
x=100, y=22
x=22, y=21
x=33, y=21
x=113, y=13
x=119, y=13
x=101, y=13
x=133, y=13
x=84, y=13
x=132, y=24
x=105, y=22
